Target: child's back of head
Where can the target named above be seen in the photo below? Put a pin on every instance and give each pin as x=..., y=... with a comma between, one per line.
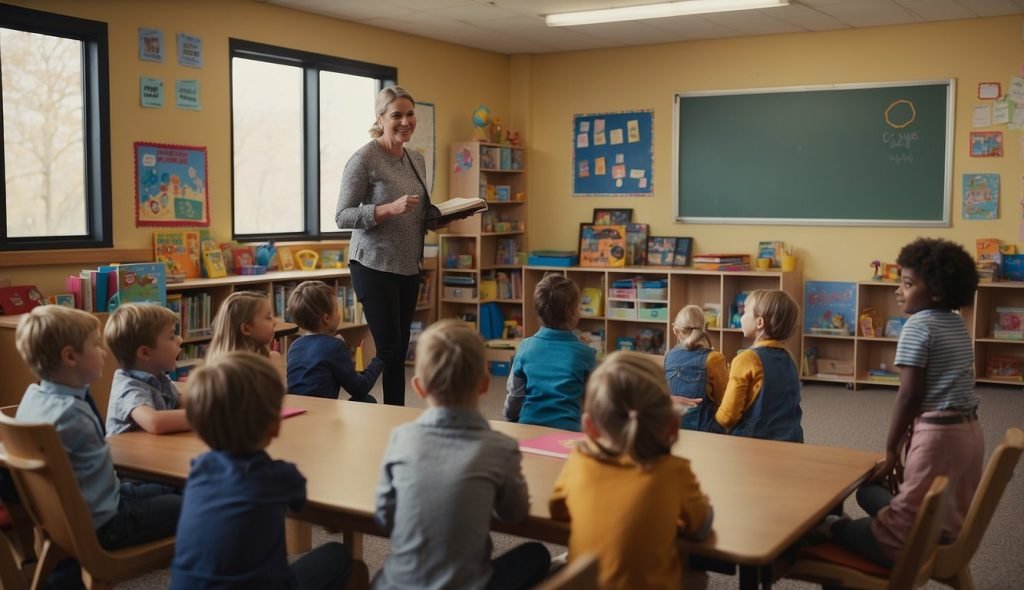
x=628, y=401
x=779, y=311
x=689, y=327
x=310, y=303
x=133, y=325
x=234, y=402
x=450, y=363
x=239, y=309
x=947, y=270
x=44, y=332
x=556, y=300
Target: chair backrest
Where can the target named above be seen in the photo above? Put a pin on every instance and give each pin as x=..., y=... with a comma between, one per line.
x=581, y=574
x=950, y=559
x=48, y=488
x=912, y=567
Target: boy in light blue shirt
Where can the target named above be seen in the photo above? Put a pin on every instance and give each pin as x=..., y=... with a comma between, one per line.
x=550, y=369
x=64, y=348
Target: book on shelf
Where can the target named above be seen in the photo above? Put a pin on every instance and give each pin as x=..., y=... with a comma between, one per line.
x=722, y=258
x=1008, y=367
x=179, y=250
x=20, y=299
x=213, y=264
x=557, y=445
x=144, y=282
x=771, y=249
x=455, y=208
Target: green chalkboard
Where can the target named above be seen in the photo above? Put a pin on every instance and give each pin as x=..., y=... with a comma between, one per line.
x=837, y=155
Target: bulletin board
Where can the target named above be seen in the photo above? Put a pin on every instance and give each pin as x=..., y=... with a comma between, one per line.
x=613, y=154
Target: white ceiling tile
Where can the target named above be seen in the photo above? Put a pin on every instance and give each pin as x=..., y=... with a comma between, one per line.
x=807, y=18
x=353, y=10
x=753, y=22
x=693, y=27
x=870, y=13
x=475, y=13
x=992, y=7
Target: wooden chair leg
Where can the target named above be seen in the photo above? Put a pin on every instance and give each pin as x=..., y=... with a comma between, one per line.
x=49, y=557
x=11, y=577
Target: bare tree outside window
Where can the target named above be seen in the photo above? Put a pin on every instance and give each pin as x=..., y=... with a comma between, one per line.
x=44, y=149
x=266, y=102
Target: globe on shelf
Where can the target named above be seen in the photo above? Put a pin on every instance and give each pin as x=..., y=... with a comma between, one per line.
x=482, y=120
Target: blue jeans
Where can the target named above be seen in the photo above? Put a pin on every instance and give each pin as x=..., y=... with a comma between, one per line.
x=146, y=512
x=521, y=568
x=327, y=567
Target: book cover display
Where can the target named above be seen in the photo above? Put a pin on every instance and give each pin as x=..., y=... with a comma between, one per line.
x=142, y=283
x=602, y=245
x=829, y=307
x=179, y=250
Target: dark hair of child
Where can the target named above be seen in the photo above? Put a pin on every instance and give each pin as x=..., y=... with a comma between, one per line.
x=553, y=299
x=946, y=269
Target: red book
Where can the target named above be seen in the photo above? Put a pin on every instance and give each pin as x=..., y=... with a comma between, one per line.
x=557, y=445
x=19, y=299
x=289, y=412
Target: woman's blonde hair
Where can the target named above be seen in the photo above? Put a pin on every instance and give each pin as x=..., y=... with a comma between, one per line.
x=239, y=308
x=450, y=362
x=233, y=401
x=689, y=327
x=386, y=96
x=628, y=401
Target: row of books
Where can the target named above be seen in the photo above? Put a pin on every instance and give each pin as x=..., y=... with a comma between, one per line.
x=721, y=262
x=195, y=314
x=501, y=285
x=104, y=288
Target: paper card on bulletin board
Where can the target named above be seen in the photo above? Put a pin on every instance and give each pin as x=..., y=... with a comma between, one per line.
x=423, y=140
x=170, y=185
x=613, y=154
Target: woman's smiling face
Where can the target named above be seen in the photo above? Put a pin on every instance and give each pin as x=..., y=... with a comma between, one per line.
x=399, y=120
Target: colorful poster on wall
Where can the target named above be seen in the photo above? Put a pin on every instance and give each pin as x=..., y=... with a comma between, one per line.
x=981, y=196
x=170, y=185
x=619, y=143
x=830, y=308
x=187, y=92
x=151, y=45
x=190, y=51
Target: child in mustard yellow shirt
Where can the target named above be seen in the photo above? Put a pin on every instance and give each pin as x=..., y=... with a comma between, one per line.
x=762, y=399
x=630, y=426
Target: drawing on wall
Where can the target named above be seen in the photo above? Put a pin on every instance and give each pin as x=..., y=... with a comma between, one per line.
x=981, y=196
x=170, y=185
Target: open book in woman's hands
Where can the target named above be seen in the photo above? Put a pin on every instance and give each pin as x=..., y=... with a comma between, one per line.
x=455, y=208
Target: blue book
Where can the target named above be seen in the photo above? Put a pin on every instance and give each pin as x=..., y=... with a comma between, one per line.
x=1013, y=267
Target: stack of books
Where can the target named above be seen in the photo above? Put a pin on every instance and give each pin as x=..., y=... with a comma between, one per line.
x=721, y=262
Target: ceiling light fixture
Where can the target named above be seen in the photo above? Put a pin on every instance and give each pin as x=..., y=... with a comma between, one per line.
x=660, y=10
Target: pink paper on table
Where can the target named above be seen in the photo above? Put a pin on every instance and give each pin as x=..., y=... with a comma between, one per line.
x=557, y=445
x=289, y=412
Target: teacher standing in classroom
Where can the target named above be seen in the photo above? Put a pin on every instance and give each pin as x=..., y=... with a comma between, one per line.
x=383, y=201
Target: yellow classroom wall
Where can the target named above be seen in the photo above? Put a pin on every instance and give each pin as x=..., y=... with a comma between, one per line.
x=611, y=80
x=452, y=77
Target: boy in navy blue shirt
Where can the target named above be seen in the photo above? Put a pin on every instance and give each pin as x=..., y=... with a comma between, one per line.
x=231, y=532
x=319, y=363
x=550, y=368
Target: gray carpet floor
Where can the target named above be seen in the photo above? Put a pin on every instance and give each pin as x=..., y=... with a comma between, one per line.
x=833, y=416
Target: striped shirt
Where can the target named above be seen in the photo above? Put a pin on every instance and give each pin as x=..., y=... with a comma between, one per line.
x=937, y=341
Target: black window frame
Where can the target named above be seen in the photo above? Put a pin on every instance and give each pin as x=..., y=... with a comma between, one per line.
x=96, y=127
x=312, y=64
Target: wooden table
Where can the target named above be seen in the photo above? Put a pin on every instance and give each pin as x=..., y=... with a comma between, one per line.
x=766, y=494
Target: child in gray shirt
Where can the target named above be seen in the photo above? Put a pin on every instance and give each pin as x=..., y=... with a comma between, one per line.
x=451, y=473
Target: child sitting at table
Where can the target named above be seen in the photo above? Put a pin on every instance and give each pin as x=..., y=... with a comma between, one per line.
x=627, y=496
x=231, y=533
x=143, y=340
x=550, y=368
x=935, y=418
x=694, y=369
x=319, y=363
x=64, y=348
x=446, y=474
x=245, y=321
x=762, y=399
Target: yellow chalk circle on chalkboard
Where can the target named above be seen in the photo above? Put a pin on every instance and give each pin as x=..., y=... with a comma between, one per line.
x=896, y=103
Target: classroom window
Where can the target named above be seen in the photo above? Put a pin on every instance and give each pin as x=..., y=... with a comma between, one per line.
x=296, y=119
x=55, y=128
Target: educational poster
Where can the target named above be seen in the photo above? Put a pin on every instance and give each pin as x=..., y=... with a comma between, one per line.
x=170, y=185
x=829, y=307
x=151, y=92
x=187, y=93
x=151, y=45
x=424, y=139
x=613, y=154
x=986, y=144
x=981, y=196
x=190, y=51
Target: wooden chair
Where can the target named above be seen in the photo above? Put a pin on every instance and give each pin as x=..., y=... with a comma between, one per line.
x=830, y=564
x=581, y=574
x=18, y=522
x=51, y=496
x=953, y=562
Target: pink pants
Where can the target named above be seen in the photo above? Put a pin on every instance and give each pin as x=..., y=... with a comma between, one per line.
x=954, y=450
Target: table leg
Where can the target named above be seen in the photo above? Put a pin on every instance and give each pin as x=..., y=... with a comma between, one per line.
x=354, y=541
x=298, y=536
x=754, y=577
